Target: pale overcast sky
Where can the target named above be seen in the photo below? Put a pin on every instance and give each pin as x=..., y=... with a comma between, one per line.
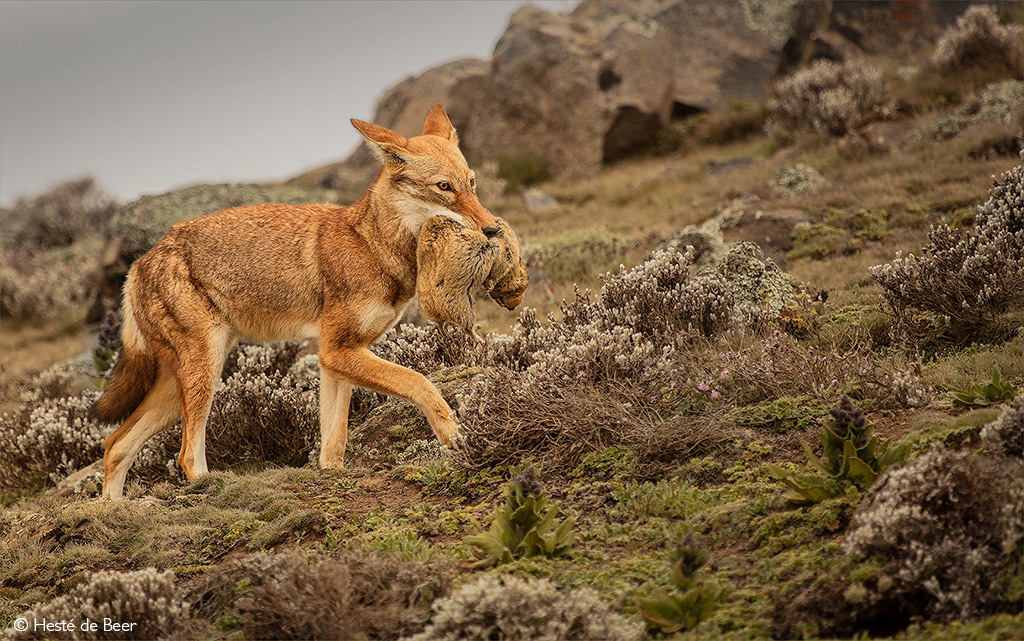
x=152, y=96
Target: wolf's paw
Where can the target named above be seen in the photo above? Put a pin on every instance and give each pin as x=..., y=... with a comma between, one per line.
x=457, y=442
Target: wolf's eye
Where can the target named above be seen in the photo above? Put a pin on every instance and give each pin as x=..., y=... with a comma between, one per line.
x=444, y=186
x=472, y=185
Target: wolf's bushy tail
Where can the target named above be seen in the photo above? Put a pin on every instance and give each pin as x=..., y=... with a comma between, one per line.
x=133, y=375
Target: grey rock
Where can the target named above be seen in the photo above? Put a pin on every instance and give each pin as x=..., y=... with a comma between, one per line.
x=537, y=201
x=771, y=230
x=752, y=276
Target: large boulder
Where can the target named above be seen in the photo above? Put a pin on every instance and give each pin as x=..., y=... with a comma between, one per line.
x=600, y=83
x=543, y=97
x=574, y=91
x=403, y=107
x=718, y=50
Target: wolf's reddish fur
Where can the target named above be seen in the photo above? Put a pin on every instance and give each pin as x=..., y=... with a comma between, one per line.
x=270, y=272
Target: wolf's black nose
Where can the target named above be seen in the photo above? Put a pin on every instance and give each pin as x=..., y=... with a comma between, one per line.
x=491, y=231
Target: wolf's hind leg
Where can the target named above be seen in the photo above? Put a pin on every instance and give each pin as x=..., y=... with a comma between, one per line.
x=158, y=411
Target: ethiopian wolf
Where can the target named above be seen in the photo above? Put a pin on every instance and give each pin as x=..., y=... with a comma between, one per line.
x=272, y=272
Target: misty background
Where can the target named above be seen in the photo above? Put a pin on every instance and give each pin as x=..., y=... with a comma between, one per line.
x=152, y=96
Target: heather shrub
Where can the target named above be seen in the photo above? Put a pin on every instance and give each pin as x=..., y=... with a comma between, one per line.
x=58, y=217
x=949, y=525
x=146, y=598
x=57, y=381
x=50, y=439
x=778, y=365
x=261, y=414
x=909, y=390
x=959, y=285
x=292, y=596
x=427, y=348
x=588, y=380
x=517, y=609
x=501, y=416
x=659, y=298
x=47, y=284
x=827, y=97
x=999, y=102
x=640, y=319
x=979, y=40
x=1005, y=435
x=798, y=179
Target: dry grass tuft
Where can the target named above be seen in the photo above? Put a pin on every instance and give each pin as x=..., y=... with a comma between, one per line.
x=295, y=596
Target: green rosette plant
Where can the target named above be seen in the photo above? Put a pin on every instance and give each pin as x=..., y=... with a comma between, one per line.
x=695, y=599
x=526, y=526
x=853, y=458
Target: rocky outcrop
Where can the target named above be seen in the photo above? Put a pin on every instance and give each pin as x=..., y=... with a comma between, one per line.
x=717, y=50
x=595, y=85
x=576, y=91
x=600, y=83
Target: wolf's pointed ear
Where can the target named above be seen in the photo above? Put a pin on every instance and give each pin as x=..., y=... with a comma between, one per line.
x=384, y=143
x=437, y=124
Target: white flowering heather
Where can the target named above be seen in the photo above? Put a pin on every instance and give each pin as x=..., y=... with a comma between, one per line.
x=947, y=523
x=1005, y=435
x=631, y=332
x=261, y=413
x=588, y=355
x=910, y=390
x=798, y=179
x=827, y=97
x=631, y=337
x=1001, y=101
x=978, y=39
x=965, y=279
x=49, y=440
x=425, y=348
x=53, y=382
x=145, y=598
x=517, y=609
x=659, y=298
x=422, y=451
x=633, y=329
